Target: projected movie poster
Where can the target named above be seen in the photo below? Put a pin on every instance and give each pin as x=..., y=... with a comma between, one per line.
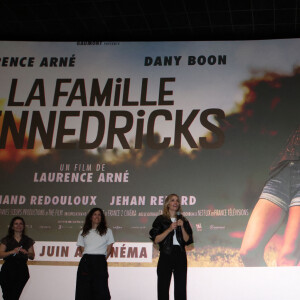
x=120, y=125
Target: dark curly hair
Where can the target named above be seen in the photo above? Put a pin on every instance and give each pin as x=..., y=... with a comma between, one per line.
x=101, y=228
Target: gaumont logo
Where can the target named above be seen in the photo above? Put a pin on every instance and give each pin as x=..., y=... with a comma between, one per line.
x=67, y=251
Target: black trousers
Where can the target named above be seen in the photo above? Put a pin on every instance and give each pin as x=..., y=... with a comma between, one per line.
x=13, y=277
x=92, y=278
x=175, y=263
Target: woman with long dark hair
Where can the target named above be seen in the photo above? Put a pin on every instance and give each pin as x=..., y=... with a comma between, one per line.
x=15, y=249
x=172, y=232
x=95, y=242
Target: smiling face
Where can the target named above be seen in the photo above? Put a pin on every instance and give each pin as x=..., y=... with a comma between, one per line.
x=173, y=204
x=96, y=218
x=18, y=226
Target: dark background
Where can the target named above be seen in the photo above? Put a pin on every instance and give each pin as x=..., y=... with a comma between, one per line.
x=155, y=20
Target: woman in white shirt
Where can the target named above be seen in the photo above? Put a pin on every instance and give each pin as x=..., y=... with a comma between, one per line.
x=95, y=242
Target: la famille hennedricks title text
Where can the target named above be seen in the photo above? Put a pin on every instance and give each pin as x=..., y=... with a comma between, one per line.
x=91, y=96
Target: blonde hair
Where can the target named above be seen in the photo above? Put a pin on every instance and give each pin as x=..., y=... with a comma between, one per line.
x=166, y=203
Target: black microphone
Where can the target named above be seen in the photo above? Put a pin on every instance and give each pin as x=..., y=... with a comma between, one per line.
x=178, y=217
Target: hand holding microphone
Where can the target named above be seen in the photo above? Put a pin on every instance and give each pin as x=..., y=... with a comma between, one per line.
x=179, y=220
x=173, y=226
x=18, y=251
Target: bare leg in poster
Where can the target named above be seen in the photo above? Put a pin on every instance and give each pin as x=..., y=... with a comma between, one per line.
x=290, y=251
x=265, y=220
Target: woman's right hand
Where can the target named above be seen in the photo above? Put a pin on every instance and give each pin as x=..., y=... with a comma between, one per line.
x=163, y=235
x=3, y=252
x=16, y=250
x=173, y=226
